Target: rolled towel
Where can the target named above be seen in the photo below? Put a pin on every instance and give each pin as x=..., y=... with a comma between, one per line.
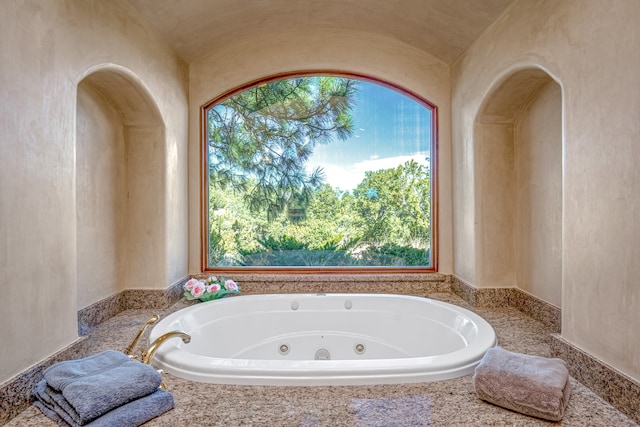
x=132, y=414
x=532, y=385
x=97, y=384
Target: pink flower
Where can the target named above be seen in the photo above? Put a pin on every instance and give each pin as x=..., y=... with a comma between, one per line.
x=212, y=279
x=198, y=289
x=230, y=285
x=213, y=287
x=190, y=284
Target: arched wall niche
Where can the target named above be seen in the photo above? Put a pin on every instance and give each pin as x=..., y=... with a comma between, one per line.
x=518, y=185
x=120, y=186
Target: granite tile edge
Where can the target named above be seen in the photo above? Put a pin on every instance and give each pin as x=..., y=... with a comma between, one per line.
x=293, y=278
x=409, y=284
x=16, y=393
x=482, y=297
x=530, y=305
x=98, y=312
x=620, y=390
x=154, y=298
x=108, y=307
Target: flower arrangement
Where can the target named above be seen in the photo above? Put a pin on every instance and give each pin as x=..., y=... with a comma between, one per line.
x=210, y=288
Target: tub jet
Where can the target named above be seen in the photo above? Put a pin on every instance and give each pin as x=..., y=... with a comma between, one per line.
x=323, y=354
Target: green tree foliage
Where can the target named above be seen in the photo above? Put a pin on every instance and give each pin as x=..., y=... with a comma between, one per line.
x=260, y=139
x=386, y=222
x=394, y=205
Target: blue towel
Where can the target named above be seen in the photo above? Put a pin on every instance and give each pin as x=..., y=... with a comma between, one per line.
x=61, y=374
x=132, y=414
x=53, y=404
x=89, y=388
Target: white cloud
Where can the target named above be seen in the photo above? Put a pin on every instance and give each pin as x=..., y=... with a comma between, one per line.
x=347, y=178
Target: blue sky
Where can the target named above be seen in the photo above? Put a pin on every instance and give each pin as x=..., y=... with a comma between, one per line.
x=390, y=128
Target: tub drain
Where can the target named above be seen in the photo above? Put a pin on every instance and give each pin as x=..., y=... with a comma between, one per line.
x=359, y=348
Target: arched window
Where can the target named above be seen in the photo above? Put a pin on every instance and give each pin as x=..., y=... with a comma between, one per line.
x=319, y=172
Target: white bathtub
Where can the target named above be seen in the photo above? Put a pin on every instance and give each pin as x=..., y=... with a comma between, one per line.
x=323, y=339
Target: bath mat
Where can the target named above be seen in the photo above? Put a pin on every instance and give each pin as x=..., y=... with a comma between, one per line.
x=412, y=411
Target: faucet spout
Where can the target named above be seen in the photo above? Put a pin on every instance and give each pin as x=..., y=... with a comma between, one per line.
x=151, y=351
x=129, y=350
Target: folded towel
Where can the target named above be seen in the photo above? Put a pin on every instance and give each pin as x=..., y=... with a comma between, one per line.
x=47, y=405
x=533, y=385
x=54, y=401
x=132, y=414
x=89, y=388
x=62, y=373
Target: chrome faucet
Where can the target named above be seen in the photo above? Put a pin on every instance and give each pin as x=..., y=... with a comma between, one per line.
x=129, y=350
x=148, y=354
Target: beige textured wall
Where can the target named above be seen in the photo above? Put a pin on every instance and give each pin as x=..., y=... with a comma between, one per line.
x=148, y=243
x=316, y=49
x=46, y=49
x=538, y=203
x=100, y=196
x=590, y=48
x=495, y=199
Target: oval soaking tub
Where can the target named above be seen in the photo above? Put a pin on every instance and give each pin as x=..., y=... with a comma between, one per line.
x=323, y=339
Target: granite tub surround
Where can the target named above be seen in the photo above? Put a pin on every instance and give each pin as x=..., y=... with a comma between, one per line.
x=98, y=312
x=540, y=310
x=443, y=403
x=15, y=394
x=615, y=387
x=482, y=297
x=106, y=308
x=406, y=284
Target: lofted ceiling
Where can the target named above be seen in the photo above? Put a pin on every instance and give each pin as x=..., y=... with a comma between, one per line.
x=443, y=28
